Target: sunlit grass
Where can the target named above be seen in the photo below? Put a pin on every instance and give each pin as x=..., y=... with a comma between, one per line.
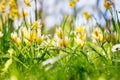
x=67, y=53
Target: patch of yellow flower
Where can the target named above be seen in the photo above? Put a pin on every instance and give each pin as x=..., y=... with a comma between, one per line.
x=27, y=3
x=39, y=39
x=86, y=15
x=36, y=24
x=59, y=39
x=13, y=12
x=97, y=35
x=72, y=3
x=80, y=36
x=11, y=8
x=2, y=6
x=15, y=38
x=80, y=29
x=107, y=4
x=28, y=35
x=59, y=33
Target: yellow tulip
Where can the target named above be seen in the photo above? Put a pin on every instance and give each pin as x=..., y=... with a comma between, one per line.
x=97, y=35
x=107, y=4
x=27, y=35
x=40, y=39
x=18, y=41
x=35, y=25
x=33, y=35
x=14, y=36
x=27, y=3
x=86, y=15
x=59, y=33
x=2, y=5
x=71, y=4
x=80, y=29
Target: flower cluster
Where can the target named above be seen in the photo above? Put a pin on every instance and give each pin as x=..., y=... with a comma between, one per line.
x=59, y=39
x=13, y=12
x=11, y=8
x=97, y=35
x=72, y=3
x=29, y=35
x=2, y=6
x=80, y=36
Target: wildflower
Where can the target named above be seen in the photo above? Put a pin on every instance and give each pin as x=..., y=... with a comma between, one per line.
x=80, y=39
x=82, y=36
x=27, y=3
x=59, y=33
x=66, y=41
x=94, y=41
x=27, y=35
x=39, y=39
x=71, y=4
x=18, y=41
x=12, y=3
x=100, y=37
x=97, y=34
x=33, y=35
x=79, y=42
x=2, y=5
x=60, y=43
x=57, y=41
x=116, y=48
x=14, y=36
x=80, y=29
x=1, y=34
x=107, y=4
x=86, y=15
x=13, y=12
x=35, y=25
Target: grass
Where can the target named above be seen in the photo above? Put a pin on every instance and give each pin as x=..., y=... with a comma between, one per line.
x=68, y=53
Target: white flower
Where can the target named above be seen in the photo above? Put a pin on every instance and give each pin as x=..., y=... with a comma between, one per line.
x=116, y=48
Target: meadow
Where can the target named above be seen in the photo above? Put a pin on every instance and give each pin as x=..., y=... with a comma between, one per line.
x=65, y=52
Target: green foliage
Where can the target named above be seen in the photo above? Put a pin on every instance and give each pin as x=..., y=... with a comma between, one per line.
x=58, y=58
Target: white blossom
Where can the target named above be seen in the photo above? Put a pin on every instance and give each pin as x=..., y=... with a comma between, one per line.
x=116, y=48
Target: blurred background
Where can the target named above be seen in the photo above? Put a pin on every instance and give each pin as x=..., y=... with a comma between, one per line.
x=53, y=11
